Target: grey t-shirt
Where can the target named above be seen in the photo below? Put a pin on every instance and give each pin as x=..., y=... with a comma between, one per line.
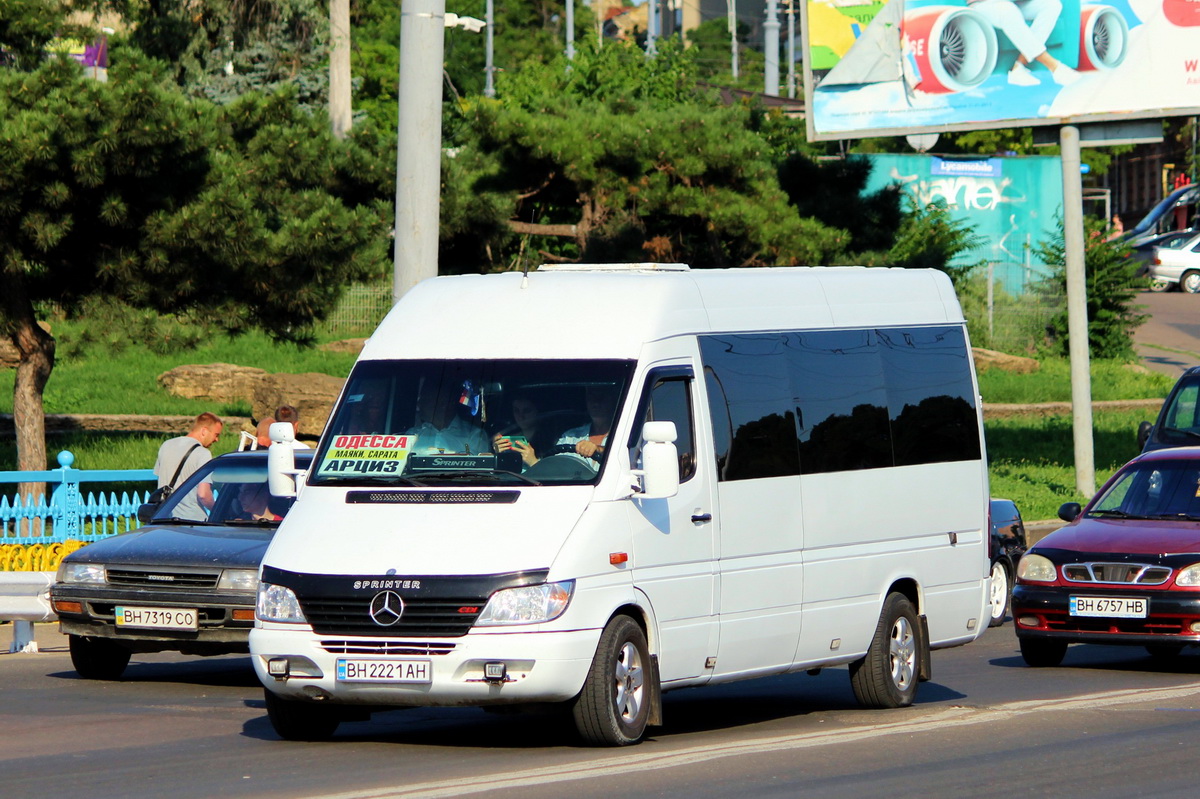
x=170, y=454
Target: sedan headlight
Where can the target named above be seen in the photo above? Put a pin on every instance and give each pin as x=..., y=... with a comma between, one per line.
x=90, y=573
x=1036, y=568
x=238, y=580
x=1189, y=577
x=277, y=603
x=527, y=605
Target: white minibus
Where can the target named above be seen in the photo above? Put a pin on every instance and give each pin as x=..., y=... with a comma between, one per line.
x=583, y=486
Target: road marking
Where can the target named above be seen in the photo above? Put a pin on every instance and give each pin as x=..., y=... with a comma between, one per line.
x=956, y=716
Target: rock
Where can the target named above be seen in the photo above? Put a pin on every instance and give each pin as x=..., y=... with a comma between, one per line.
x=312, y=394
x=221, y=383
x=987, y=359
x=353, y=345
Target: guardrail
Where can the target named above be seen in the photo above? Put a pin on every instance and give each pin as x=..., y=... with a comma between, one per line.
x=68, y=516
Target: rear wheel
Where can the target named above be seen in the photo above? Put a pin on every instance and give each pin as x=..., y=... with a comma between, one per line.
x=999, y=593
x=614, y=706
x=98, y=658
x=1159, y=286
x=1190, y=282
x=300, y=721
x=887, y=676
x=1041, y=652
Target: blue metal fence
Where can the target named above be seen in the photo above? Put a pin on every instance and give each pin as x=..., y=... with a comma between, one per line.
x=68, y=516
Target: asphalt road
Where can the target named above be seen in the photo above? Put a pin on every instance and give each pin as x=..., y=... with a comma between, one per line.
x=1169, y=341
x=1111, y=722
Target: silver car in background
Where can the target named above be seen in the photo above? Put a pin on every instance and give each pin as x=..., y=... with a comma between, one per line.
x=1176, y=265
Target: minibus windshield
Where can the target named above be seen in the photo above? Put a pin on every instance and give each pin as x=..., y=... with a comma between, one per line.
x=472, y=422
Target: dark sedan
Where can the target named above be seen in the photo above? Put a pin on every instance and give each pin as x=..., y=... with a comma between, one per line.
x=1126, y=570
x=174, y=584
x=1006, y=547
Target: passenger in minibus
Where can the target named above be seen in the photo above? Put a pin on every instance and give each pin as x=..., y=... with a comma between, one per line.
x=440, y=429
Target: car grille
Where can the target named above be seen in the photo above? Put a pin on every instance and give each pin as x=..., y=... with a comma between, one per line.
x=1157, y=625
x=1116, y=573
x=433, y=618
x=384, y=647
x=161, y=578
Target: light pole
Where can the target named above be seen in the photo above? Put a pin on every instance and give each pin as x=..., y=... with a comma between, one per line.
x=570, y=30
x=489, y=85
x=771, y=49
x=651, y=26
x=419, y=139
x=733, y=50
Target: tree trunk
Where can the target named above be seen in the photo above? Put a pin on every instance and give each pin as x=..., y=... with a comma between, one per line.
x=339, y=67
x=36, y=348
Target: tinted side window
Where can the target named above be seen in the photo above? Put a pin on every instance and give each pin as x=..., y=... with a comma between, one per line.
x=931, y=402
x=842, y=400
x=751, y=402
x=670, y=401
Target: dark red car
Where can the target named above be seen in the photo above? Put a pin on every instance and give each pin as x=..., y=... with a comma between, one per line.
x=1126, y=570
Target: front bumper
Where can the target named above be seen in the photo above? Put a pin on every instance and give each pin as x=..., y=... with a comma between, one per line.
x=1170, y=617
x=541, y=667
x=218, y=632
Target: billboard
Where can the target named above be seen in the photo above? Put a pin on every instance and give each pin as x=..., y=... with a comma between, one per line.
x=895, y=67
x=1012, y=204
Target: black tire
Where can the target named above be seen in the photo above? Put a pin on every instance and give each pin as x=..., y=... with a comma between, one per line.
x=1043, y=652
x=999, y=594
x=300, y=721
x=614, y=705
x=1159, y=286
x=1164, y=651
x=887, y=676
x=98, y=658
x=1190, y=282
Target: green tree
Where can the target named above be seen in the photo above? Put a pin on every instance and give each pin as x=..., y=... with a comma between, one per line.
x=250, y=215
x=1112, y=289
x=625, y=159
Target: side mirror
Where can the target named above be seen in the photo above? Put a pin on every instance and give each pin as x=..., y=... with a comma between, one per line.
x=146, y=512
x=1143, y=434
x=1069, y=511
x=281, y=460
x=660, y=461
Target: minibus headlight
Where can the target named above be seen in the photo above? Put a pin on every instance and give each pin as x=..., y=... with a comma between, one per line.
x=277, y=603
x=527, y=605
x=1189, y=577
x=92, y=573
x=238, y=580
x=1036, y=568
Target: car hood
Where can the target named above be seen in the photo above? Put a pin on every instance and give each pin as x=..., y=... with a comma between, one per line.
x=1132, y=536
x=180, y=545
x=322, y=534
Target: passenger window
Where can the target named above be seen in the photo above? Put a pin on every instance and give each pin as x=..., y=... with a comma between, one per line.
x=670, y=401
x=751, y=403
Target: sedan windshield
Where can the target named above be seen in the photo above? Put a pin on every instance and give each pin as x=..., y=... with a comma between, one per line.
x=478, y=423
x=230, y=490
x=1153, y=490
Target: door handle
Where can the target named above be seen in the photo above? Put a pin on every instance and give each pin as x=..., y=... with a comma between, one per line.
x=697, y=518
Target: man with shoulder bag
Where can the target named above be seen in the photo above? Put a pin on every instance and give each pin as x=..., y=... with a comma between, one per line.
x=179, y=457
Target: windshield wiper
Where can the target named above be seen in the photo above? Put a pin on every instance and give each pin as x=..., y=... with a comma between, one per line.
x=477, y=476
x=254, y=522
x=1179, y=515
x=178, y=520
x=1120, y=514
x=1188, y=433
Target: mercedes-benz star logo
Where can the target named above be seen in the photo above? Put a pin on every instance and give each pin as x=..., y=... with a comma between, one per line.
x=386, y=608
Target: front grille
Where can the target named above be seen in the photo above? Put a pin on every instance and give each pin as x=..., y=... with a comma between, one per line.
x=162, y=578
x=422, y=618
x=383, y=647
x=1116, y=573
x=1156, y=625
